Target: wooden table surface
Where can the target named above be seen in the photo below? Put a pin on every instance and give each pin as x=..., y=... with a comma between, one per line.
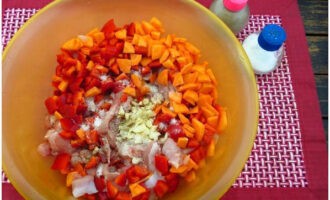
x=315, y=16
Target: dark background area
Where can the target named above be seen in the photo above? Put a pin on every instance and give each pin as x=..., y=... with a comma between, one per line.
x=315, y=16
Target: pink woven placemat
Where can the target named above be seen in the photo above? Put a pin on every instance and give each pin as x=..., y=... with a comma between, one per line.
x=277, y=156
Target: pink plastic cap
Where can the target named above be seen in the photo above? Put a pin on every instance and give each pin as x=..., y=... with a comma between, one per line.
x=234, y=5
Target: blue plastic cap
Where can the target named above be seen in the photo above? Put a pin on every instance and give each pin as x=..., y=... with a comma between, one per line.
x=272, y=37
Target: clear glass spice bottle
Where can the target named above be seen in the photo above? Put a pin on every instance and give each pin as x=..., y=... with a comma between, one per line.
x=234, y=13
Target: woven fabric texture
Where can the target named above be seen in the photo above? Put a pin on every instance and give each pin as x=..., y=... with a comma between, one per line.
x=277, y=157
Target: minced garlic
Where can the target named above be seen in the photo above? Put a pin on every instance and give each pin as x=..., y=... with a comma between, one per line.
x=137, y=124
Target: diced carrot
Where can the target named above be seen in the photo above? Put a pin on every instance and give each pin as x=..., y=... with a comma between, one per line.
x=190, y=78
x=201, y=69
x=186, y=68
x=168, y=41
x=182, y=142
x=63, y=85
x=136, y=59
x=128, y=48
x=183, y=119
x=206, y=88
x=210, y=128
x=121, y=179
x=93, y=161
x=222, y=121
x=130, y=91
x=211, y=149
x=189, y=128
x=164, y=56
x=72, y=45
x=199, y=127
x=180, y=108
x=138, y=28
x=192, y=165
x=203, y=78
x=168, y=64
x=156, y=23
x=147, y=27
x=70, y=176
x=163, y=77
x=124, y=65
x=167, y=111
x=178, y=170
x=213, y=121
x=81, y=134
x=191, y=176
x=177, y=79
x=191, y=86
x=204, y=99
x=190, y=96
x=192, y=49
x=175, y=96
x=188, y=133
x=145, y=61
x=155, y=35
x=121, y=34
x=157, y=51
x=93, y=92
x=58, y=115
x=207, y=112
x=194, y=110
x=137, y=81
x=174, y=53
x=136, y=189
x=212, y=77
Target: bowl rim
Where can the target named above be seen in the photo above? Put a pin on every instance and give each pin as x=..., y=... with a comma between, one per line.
x=214, y=18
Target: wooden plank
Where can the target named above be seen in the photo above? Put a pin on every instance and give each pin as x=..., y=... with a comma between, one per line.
x=318, y=49
x=315, y=16
x=322, y=91
x=325, y=127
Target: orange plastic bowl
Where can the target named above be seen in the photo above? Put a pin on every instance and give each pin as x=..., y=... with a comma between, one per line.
x=30, y=60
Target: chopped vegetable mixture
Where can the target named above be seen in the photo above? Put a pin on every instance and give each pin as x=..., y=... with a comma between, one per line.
x=132, y=114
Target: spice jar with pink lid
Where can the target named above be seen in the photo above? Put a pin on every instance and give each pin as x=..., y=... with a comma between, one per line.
x=234, y=13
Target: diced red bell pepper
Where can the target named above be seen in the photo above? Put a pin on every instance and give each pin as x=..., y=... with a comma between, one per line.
x=164, y=118
x=121, y=179
x=123, y=196
x=155, y=64
x=90, y=196
x=67, y=134
x=99, y=183
x=198, y=154
x=143, y=196
x=67, y=110
x=93, y=161
x=145, y=70
x=51, y=105
x=161, y=188
x=111, y=190
x=136, y=173
x=161, y=163
x=102, y=196
x=207, y=137
x=108, y=28
x=111, y=86
x=175, y=131
x=141, y=50
x=130, y=29
x=61, y=161
x=92, y=137
x=172, y=181
x=193, y=143
x=69, y=124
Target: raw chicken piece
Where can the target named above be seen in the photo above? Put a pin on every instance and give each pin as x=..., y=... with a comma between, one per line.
x=152, y=149
x=44, y=149
x=173, y=153
x=84, y=185
x=57, y=143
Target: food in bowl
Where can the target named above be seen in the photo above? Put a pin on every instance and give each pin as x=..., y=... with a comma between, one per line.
x=132, y=113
